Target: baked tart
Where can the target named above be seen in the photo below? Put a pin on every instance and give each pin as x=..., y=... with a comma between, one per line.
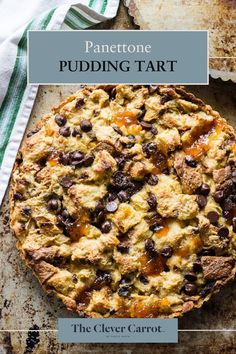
x=123, y=201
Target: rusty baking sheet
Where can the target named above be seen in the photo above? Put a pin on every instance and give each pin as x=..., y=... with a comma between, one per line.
x=24, y=304
x=217, y=16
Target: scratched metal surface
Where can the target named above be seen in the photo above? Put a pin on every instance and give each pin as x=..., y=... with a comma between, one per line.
x=24, y=303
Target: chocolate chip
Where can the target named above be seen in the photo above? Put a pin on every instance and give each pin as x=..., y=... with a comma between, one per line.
x=76, y=157
x=117, y=130
x=167, y=251
x=152, y=201
x=207, y=288
x=151, y=179
x=190, y=161
x=123, y=196
x=53, y=204
x=152, y=88
x=86, y=125
x=18, y=196
x=65, y=131
x=74, y=278
x=112, y=312
x=190, y=289
x=123, y=248
x=219, y=196
x=190, y=277
x=146, y=125
x=124, y=291
x=64, y=158
x=111, y=207
x=79, y=103
x=149, y=149
x=143, y=279
x=197, y=267
x=223, y=232
x=106, y=227
x=204, y=189
x=60, y=120
x=76, y=131
x=88, y=160
x=213, y=217
x=27, y=211
x=150, y=247
x=201, y=200
x=65, y=182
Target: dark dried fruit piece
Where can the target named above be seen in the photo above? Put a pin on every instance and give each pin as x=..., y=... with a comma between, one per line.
x=124, y=291
x=86, y=125
x=121, y=180
x=123, y=196
x=190, y=161
x=151, y=179
x=18, y=196
x=149, y=149
x=65, y=182
x=117, y=130
x=27, y=211
x=60, y=120
x=74, y=278
x=207, y=288
x=152, y=201
x=102, y=278
x=150, y=247
x=79, y=103
x=143, y=279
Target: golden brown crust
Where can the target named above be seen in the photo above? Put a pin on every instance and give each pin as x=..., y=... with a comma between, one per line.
x=123, y=201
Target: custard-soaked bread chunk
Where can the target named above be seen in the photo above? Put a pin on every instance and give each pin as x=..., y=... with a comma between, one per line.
x=123, y=201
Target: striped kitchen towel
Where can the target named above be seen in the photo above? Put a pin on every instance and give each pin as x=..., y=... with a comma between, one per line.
x=16, y=97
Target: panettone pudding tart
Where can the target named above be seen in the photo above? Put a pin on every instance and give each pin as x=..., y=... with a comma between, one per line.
x=123, y=201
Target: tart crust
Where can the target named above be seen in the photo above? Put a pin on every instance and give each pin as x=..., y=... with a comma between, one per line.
x=123, y=201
